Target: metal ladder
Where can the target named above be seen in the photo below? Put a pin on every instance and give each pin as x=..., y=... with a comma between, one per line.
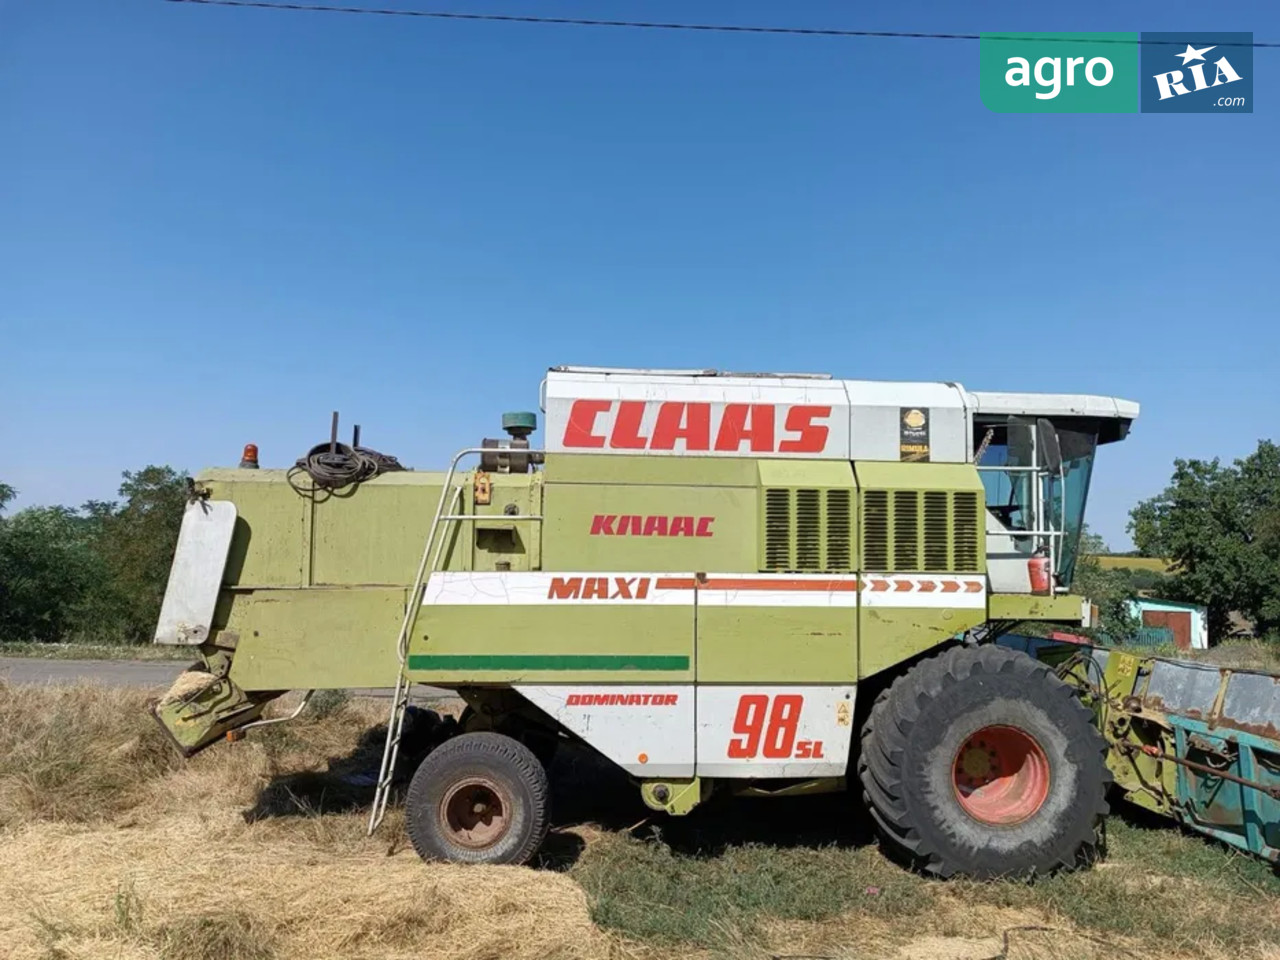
x=437, y=536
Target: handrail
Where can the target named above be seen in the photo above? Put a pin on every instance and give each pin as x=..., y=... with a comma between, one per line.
x=426, y=566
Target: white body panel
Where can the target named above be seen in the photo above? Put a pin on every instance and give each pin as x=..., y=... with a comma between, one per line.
x=677, y=730
x=877, y=408
x=1007, y=567
x=774, y=731
x=461, y=588
x=935, y=591
x=647, y=730
x=1052, y=405
x=706, y=416
x=204, y=540
x=537, y=588
x=702, y=413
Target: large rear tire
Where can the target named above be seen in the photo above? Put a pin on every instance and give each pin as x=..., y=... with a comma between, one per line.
x=981, y=762
x=478, y=798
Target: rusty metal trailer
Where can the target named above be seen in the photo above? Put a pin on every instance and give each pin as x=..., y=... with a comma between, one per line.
x=1188, y=740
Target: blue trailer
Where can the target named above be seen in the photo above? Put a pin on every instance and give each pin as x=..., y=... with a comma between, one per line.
x=1189, y=740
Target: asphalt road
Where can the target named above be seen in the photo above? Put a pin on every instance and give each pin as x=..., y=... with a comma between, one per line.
x=111, y=673
x=133, y=673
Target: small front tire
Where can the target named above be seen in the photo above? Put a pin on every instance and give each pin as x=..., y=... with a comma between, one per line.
x=478, y=798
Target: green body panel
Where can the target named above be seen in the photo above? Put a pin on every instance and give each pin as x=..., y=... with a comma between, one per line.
x=1009, y=606
x=372, y=535
x=375, y=538
x=777, y=644
x=564, y=644
x=805, y=473
x=271, y=546
x=581, y=487
x=888, y=475
x=315, y=587
x=571, y=509
x=315, y=639
x=356, y=552
x=889, y=636
x=948, y=479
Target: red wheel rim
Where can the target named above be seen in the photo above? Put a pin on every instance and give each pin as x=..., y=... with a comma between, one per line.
x=1001, y=775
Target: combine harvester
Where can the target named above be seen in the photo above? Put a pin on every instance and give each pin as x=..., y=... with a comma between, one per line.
x=766, y=584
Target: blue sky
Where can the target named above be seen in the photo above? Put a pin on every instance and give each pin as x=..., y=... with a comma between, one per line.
x=218, y=225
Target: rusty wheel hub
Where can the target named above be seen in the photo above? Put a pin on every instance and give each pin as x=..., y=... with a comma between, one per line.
x=475, y=813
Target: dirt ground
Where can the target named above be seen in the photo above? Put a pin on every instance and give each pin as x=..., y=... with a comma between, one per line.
x=111, y=846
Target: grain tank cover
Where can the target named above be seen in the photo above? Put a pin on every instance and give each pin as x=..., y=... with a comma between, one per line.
x=775, y=415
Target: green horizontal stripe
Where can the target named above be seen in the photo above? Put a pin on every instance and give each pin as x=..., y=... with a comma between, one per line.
x=522, y=661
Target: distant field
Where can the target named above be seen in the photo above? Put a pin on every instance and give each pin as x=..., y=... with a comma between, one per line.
x=1237, y=654
x=1153, y=564
x=111, y=846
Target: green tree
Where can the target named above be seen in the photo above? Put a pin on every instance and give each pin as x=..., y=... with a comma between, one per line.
x=97, y=573
x=48, y=569
x=134, y=540
x=1220, y=525
x=1092, y=544
x=1110, y=590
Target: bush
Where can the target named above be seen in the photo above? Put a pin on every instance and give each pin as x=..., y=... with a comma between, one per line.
x=97, y=573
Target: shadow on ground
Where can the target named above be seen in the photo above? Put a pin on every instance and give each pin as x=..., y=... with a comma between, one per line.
x=586, y=790
x=346, y=784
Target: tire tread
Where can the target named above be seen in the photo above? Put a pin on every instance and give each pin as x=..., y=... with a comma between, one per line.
x=503, y=752
x=886, y=737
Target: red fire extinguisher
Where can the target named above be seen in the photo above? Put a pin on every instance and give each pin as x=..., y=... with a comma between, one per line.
x=1038, y=568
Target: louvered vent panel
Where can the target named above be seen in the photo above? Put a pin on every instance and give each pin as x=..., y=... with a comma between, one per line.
x=937, y=531
x=906, y=530
x=777, y=529
x=808, y=530
x=875, y=530
x=839, y=531
x=967, y=530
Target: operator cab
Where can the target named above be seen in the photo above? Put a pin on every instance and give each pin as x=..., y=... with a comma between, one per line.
x=1034, y=453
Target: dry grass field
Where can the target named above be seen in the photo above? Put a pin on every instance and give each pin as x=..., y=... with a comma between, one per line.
x=111, y=846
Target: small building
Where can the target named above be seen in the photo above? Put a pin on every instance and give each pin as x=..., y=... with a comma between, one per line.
x=1187, y=622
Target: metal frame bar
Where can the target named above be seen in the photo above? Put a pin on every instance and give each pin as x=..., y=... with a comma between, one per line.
x=1154, y=751
x=293, y=716
x=1054, y=539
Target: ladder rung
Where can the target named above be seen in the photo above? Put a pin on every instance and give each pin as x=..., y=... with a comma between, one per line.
x=437, y=537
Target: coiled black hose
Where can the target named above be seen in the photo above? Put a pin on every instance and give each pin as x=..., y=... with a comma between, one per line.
x=332, y=466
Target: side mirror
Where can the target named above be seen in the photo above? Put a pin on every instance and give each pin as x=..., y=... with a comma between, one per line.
x=1048, y=447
